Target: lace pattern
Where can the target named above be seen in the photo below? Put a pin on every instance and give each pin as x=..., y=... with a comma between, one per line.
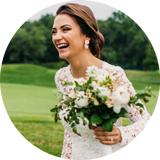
x=67, y=146
x=138, y=116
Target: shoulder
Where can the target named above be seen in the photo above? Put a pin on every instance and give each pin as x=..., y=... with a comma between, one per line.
x=61, y=73
x=113, y=68
x=116, y=72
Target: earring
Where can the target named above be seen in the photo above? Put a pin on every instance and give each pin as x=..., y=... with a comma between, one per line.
x=86, y=44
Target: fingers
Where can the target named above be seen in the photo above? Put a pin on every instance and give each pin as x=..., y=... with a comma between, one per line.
x=108, y=140
x=107, y=137
x=99, y=131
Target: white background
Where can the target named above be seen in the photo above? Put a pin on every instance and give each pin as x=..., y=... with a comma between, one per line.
x=13, y=14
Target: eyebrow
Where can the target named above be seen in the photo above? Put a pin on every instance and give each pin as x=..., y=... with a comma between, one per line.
x=65, y=25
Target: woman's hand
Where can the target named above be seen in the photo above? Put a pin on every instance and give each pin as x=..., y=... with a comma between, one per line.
x=105, y=137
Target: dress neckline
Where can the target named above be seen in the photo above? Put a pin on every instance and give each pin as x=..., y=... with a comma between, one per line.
x=82, y=78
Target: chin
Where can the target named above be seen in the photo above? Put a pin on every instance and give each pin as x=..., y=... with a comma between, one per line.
x=63, y=55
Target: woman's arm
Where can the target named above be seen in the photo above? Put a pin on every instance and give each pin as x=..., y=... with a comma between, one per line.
x=124, y=134
x=67, y=146
x=138, y=116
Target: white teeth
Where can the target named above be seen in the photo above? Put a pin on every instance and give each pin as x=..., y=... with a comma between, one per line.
x=62, y=45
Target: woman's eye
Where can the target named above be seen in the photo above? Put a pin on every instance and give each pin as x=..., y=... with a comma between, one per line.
x=53, y=32
x=66, y=29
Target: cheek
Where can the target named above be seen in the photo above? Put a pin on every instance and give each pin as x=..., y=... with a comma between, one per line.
x=80, y=44
x=77, y=42
x=53, y=40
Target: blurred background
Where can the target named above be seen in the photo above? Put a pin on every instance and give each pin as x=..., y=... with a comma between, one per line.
x=31, y=61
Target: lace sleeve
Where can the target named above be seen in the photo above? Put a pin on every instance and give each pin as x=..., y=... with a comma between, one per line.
x=60, y=76
x=67, y=146
x=58, y=80
x=137, y=115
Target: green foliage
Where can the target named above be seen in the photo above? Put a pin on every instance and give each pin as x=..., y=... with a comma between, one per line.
x=143, y=95
x=126, y=44
x=95, y=119
x=32, y=43
x=108, y=125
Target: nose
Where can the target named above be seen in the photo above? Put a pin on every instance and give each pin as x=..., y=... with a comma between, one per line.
x=57, y=36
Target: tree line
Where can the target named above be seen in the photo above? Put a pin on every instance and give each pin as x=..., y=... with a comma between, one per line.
x=125, y=43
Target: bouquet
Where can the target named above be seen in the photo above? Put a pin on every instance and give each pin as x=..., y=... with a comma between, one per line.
x=98, y=101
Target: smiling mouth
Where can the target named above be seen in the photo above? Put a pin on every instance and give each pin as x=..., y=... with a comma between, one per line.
x=62, y=45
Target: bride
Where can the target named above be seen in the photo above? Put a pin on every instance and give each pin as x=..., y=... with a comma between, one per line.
x=78, y=40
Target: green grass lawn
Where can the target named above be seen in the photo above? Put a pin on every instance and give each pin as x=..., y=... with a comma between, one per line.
x=28, y=93
x=141, y=79
x=27, y=74
x=29, y=109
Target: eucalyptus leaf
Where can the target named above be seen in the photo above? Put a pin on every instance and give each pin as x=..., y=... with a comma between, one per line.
x=95, y=119
x=105, y=115
x=140, y=105
x=108, y=125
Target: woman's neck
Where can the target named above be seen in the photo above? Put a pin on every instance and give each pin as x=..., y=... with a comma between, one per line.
x=80, y=62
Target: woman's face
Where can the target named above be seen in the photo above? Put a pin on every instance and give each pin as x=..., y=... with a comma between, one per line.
x=67, y=36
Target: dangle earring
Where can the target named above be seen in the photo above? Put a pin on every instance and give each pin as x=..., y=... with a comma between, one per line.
x=86, y=44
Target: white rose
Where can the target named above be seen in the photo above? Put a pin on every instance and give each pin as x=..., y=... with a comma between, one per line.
x=81, y=94
x=120, y=98
x=104, y=91
x=121, y=95
x=109, y=102
x=117, y=109
x=82, y=102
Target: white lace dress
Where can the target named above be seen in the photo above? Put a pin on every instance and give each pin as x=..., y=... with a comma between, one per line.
x=86, y=146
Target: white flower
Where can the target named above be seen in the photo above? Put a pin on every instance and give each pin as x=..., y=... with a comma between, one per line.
x=104, y=91
x=121, y=94
x=95, y=101
x=72, y=94
x=65, y=97
x=117, y=109
x=82, y=102
x=120, y=98
x=81, y=94
x=109, y=102
x=94, y=85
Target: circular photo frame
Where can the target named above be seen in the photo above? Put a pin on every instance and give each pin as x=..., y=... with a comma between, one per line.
x=38, y=61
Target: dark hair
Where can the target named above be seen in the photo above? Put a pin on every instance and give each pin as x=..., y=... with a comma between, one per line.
x=88, y=24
